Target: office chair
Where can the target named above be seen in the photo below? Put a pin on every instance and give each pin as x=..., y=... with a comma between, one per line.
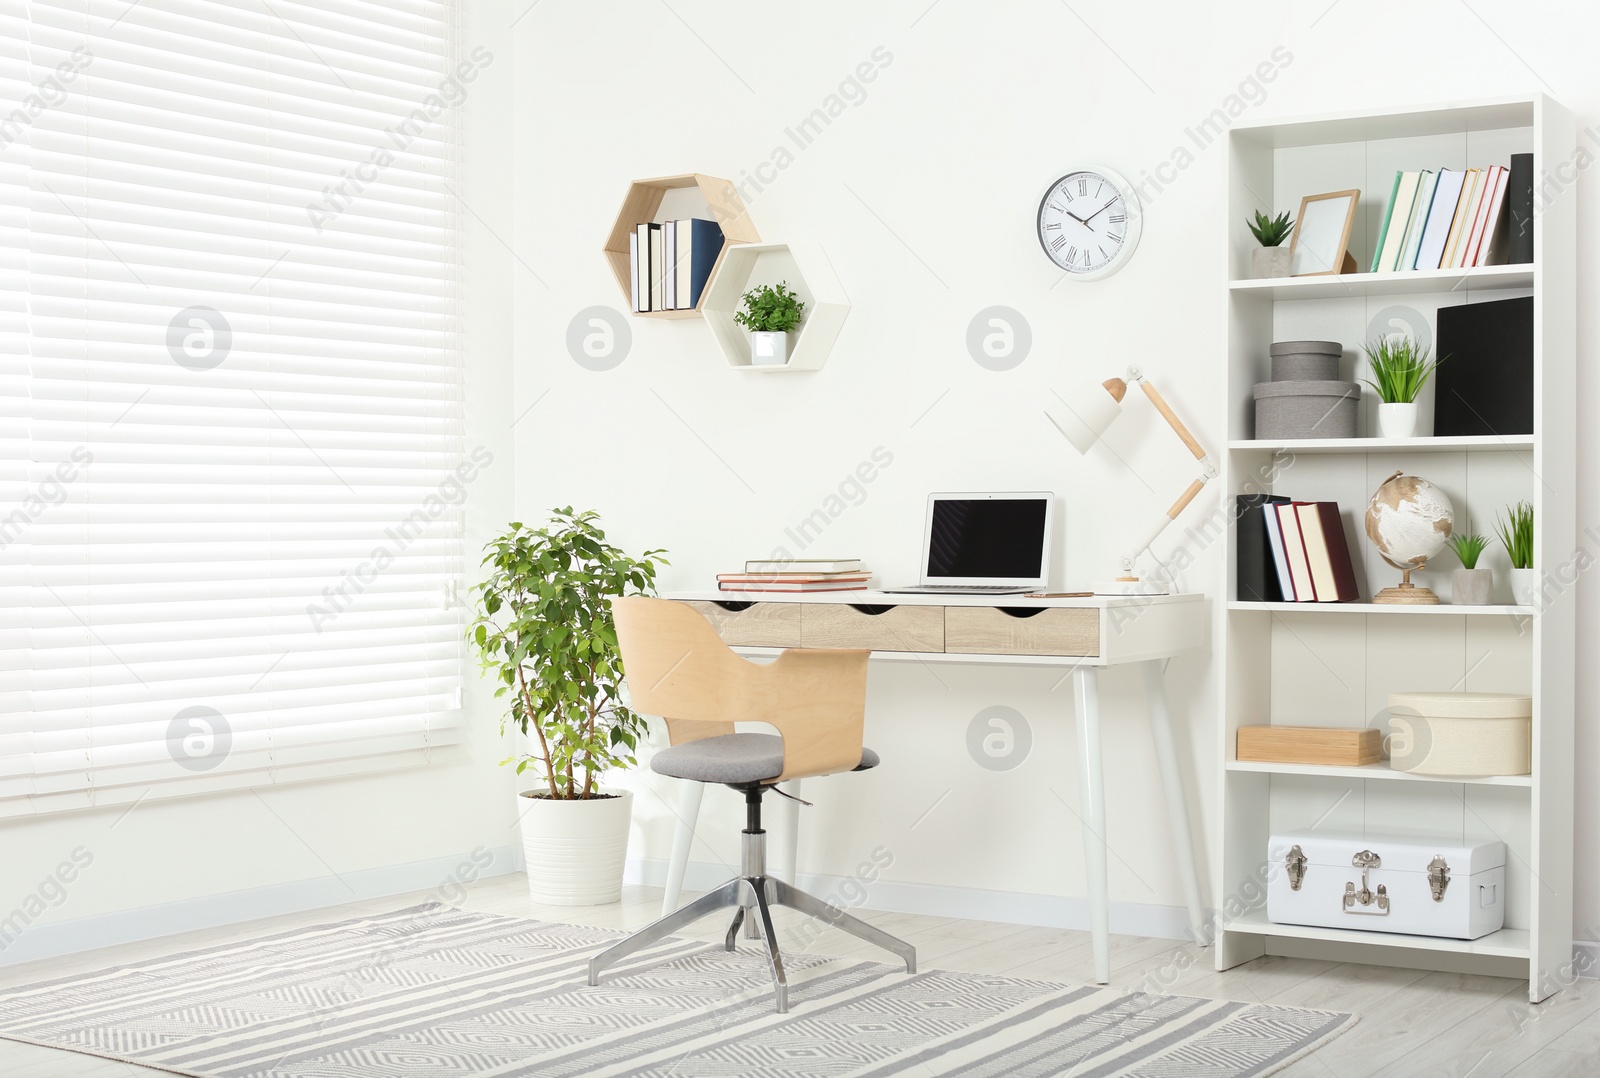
x=679, y=668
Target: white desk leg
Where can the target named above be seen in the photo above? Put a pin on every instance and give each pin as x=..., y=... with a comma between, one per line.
x=689, y=794
x=786, y=834
x=1176, y=796
x=1086, y=680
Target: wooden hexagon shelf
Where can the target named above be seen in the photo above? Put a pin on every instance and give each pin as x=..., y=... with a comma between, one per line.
x=807, y=271
x=642, y=203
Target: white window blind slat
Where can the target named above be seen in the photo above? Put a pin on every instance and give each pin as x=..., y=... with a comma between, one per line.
x=231, y=430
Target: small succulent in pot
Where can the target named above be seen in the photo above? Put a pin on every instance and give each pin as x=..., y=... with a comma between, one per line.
x=1271, y=259
x=770, y=313
x=1470, y=585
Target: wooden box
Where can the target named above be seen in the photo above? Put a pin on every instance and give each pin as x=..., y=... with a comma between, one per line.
x=1334, y=746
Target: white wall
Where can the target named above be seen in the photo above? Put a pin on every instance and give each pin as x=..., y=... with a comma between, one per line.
x=922, y=193
x=164, y=866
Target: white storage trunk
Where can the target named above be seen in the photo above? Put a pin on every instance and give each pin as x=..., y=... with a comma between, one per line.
x=1411, y=886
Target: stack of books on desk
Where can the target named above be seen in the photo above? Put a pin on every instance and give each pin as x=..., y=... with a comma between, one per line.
x=841, y=574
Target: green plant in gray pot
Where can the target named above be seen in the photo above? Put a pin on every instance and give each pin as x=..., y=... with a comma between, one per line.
x=1516, y=535
x=770, y=313
x=1400, y=368
x=1271, y=259
x=543, y=630
x=1470, y=585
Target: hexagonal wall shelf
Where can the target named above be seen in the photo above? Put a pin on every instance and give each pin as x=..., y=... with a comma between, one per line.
x=807, y=271
x=641, y=204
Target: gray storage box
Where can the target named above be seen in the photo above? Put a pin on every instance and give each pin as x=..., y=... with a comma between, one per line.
x=1306, y=361
x=1306, y=409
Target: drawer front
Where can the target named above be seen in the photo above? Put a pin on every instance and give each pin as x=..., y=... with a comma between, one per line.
x=985, y=630
x=757, y=625
x=881, y=628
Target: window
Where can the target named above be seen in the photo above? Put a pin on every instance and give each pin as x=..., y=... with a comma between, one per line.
x=231, y=454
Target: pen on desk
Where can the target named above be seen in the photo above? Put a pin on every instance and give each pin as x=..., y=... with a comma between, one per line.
x=1058, y=595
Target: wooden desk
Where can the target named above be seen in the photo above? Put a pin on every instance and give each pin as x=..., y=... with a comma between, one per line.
x=1082, y=635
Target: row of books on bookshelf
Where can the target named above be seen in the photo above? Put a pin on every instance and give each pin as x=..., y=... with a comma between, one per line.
x=1293, y=552
x=803, y=575
x=670, y=262
x=1458, y=218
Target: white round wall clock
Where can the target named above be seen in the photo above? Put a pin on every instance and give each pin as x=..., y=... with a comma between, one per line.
x=1089, y=223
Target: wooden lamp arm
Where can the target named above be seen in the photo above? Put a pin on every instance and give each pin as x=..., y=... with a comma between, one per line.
x=816, y=700
x=1174, y=422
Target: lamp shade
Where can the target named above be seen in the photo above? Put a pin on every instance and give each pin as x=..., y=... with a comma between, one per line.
x=1088, y=411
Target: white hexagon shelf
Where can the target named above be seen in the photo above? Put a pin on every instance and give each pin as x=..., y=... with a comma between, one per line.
x=806, y=270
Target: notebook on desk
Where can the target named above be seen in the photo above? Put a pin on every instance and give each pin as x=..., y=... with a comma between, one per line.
x=985, y=544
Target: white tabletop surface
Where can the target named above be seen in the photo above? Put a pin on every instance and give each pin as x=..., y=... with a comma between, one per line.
x=883, y=598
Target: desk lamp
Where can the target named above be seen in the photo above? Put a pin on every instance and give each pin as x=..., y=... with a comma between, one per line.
x=1083, y=419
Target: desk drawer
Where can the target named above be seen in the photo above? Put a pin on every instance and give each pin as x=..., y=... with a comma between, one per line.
x=986, y=630
x=764, y=625
x=881, y=628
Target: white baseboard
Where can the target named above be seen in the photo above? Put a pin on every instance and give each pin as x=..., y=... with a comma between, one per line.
x=54, y=938
x=1586, y=959
x=938, y=900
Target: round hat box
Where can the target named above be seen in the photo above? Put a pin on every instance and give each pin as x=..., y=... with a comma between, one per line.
x=1306, y=361
x=1461, y=733
x=1307, y=409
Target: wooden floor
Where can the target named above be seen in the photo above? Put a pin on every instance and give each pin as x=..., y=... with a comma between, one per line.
x=1412, y=1022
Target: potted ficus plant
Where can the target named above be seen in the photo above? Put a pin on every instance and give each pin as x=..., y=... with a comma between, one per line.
x=1470, y=585
x=1271, y=259
x=1400, y=368
x=1516, y=534
x=770, y=313
x=543, y=629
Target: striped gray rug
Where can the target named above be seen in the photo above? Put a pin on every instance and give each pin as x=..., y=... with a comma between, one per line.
x=438, y=992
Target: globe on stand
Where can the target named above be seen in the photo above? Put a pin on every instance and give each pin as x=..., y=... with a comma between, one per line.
x=1408, y=520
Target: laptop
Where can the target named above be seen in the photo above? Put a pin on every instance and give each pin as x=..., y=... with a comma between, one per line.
x=985, y=544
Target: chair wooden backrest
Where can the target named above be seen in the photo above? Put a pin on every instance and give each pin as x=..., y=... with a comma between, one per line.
x=677, y=667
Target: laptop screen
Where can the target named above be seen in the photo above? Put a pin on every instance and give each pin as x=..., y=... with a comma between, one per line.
x=999, y=537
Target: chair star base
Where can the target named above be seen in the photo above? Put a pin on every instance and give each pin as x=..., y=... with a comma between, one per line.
x=752, y=895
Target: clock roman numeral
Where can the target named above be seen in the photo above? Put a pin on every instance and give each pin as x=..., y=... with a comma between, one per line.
x=1118, y=218
x=1098, y=189
x=1103, y=253
x=1083, y=186
x=1047, y=228
x=1072, y=252
x=1087, y=260
x=1055, y=244
x=1058, y=209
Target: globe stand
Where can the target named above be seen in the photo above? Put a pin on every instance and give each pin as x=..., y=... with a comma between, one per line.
x=1407, y=594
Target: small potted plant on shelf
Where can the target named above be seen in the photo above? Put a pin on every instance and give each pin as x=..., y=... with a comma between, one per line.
x=770, y=312
x=1516, y=533
x=543, y=629
x=1400, y=368
x=1470, y=586
x=1271, y=259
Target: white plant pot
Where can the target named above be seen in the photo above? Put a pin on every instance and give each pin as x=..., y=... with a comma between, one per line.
x=769, y=349
x=575, y=850
x=1398, y=420
x=1525, y=587
x=1472, y=587
x=1269, y=262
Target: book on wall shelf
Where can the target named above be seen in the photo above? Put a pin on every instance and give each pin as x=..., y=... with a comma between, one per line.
x=1458, y=218
x=670, y=262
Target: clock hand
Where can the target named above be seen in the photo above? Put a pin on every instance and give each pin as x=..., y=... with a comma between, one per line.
x=1098, y=212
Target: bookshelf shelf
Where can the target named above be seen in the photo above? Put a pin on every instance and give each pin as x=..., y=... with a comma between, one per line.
x=1336, y=664
x=1409, y=283
x=643, y=202
x=1508, y=443
x=1506, y=943
x=1377, y=772
x=1383, y=610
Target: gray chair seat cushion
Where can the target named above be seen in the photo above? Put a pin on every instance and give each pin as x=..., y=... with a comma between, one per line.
x=734, y=758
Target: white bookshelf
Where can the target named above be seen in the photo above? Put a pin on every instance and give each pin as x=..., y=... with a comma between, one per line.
x=1336, y=664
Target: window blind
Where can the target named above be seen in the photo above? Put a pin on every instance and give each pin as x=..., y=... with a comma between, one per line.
x=231, y=447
